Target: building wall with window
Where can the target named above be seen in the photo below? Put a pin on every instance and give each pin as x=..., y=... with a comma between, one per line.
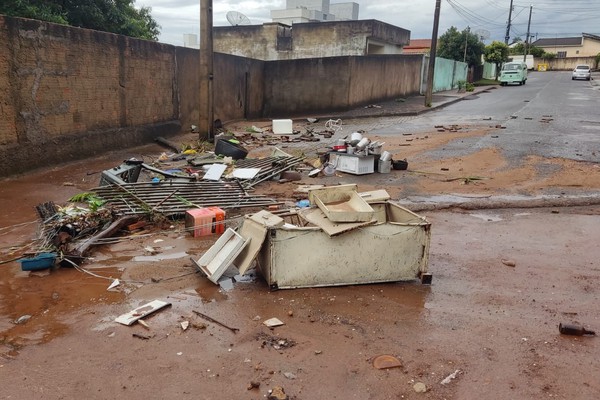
x=586, y=45
x=274, y=41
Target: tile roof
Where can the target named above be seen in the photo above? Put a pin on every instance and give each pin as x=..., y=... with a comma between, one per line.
x=548, y=42
x=419, y=44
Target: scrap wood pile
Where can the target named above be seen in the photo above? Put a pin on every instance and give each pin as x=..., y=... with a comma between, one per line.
x=135, y=194
x=67, y=233
x=196, y=176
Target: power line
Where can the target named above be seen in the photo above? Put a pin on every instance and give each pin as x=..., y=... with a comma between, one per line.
x=549, y=13
x=471, y=16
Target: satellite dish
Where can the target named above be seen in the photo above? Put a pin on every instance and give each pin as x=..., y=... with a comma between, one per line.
x=237, y=18
x=482, y=34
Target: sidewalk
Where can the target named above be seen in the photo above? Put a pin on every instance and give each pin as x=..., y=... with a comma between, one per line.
x=408, y=106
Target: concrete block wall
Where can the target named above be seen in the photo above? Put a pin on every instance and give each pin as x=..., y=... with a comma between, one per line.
x=565, y=64
x=383, y=77
x=68, y=93
x=317, y=85
x=448, y=73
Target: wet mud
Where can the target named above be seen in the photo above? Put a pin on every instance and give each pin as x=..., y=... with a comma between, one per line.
x=495, y=324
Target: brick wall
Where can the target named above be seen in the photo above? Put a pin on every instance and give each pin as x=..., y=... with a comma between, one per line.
x=68, y=93
x=314, y=85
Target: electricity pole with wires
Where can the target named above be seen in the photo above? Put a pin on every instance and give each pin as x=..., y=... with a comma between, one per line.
x=432, y=52
x=466, y=43
x=205, y=71
x=507, y=37
x=527, y=40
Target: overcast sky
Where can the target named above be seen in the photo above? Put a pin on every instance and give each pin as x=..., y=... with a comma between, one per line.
x=550, y=18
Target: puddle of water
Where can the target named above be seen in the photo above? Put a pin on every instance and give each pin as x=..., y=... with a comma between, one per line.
x=209, y=292
x=48, y=299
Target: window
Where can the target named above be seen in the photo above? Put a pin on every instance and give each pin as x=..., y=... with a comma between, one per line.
x=561, y=54
x=511, y=67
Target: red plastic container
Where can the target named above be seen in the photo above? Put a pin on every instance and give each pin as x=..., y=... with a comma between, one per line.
x=205, y=221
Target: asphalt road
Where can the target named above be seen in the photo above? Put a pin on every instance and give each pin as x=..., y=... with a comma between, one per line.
x=550, y=116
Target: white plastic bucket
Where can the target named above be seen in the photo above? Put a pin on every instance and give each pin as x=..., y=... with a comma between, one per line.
x=386, y=156
x=356, y=136
x=385, y=166
x=364, y=142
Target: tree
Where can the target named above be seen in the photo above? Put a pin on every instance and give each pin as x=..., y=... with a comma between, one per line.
x=451, y=45
x=497, y=53
x=536, y=51
x=116, y=16
x=597, y=59
x=519, y=48
x=549, y=56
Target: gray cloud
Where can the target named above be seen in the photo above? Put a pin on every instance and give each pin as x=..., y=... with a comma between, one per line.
x=550, y=18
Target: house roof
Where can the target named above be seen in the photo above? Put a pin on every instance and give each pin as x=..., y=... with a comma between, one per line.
x=417, y=46
x=549, y=42
x=590, y=36
x=565, y=41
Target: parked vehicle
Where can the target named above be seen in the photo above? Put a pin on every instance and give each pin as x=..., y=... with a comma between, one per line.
x=581, y=72
x=528, y=59
x=513, y=72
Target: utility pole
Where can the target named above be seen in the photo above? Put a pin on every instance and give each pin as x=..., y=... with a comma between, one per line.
x=507, y=37
x=527, y=38
x=432, y=52
x=466, y=43
x=205, y=72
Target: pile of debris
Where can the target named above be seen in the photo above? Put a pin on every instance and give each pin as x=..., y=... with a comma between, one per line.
x=196, y=182
x=347, y=232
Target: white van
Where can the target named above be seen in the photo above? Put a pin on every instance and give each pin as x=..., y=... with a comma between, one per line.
x=513, y=72
x=519, y=58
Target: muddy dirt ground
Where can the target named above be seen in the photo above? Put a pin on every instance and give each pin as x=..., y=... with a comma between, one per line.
x=495, y=324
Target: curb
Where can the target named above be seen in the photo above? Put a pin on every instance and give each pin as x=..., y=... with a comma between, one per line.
x=495, y=204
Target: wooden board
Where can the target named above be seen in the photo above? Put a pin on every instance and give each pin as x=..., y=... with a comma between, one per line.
x=141, y=312
x=317, y=217
x=255, y=228
x=221, y=254
x=256, y=234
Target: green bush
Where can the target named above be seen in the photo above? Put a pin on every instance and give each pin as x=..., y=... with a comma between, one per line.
x=469, y=87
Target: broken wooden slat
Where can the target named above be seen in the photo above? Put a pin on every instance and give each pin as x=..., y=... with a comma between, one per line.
x=141, y=312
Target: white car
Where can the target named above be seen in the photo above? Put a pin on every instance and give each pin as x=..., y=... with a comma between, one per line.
x=581, y=72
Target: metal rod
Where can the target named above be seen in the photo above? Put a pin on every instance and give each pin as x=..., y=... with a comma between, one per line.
x=206, y=317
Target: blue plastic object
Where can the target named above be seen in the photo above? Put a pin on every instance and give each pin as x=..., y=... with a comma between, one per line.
x=303, y=203
x=39, y=262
